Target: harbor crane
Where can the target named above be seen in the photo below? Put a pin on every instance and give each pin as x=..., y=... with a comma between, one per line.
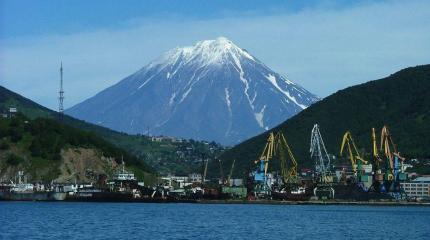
x=354, y=154
x=319, y=154
x=260, y=175
x=324, y=176
x=376, y=158
x=221, y=171
x=288, y=171
x=277, y=145
x=394, y=162
x=231, y=172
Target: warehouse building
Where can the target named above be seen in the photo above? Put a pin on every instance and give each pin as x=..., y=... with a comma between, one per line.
x=418, y=188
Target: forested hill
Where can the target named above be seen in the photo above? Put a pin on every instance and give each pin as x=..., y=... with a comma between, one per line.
x=48, y=150
x=400, y=101
x=169, y=155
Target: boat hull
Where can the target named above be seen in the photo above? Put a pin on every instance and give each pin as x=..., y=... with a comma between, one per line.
x=32, y=196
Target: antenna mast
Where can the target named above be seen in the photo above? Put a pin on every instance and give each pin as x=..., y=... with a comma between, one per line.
x=61, y=97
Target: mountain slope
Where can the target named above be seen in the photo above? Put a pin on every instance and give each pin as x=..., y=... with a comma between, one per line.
x=166, y=156
x=42, y=146
x=213, y=90
x=401, y=101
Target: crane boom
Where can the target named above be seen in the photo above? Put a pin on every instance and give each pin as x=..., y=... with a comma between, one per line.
x=394, y=162
x=376, y=158
x=221, y=171
x=353, y=152
x=268, y=152
x=385, y=146
x=231, y=172
x=205, y=171
x=289, y=174
x=277, y=145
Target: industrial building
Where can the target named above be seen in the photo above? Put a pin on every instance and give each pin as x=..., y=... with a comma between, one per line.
x=417, y=188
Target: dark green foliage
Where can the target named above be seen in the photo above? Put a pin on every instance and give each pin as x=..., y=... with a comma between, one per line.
x=400, y=101
x=422, y=167
x=4, y=145
x=3, y=130
x=49, y=137
x=14, y=160
x=16, y=129
x=165, y=156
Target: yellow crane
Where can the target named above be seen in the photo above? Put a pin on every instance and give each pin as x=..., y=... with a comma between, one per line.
x=390, y=151
x=278, y=145
x=354, y=154
x=268, y=152
x=289, y=173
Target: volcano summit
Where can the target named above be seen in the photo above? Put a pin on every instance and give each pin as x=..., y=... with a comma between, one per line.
x=213, y=90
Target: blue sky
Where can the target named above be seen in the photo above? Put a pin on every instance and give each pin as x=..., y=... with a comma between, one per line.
x=65, y=17
x=322, y=45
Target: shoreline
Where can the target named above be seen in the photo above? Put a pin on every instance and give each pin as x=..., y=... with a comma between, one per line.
x=257, y=202
x=274, y=202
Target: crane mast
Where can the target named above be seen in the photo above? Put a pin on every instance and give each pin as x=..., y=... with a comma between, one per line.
x=319, y=153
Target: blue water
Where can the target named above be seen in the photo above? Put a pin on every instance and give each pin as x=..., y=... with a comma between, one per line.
x=61, y=220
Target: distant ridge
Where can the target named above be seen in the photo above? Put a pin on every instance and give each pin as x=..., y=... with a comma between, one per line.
x=401, y=101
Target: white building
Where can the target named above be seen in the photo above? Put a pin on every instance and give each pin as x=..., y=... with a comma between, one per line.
x=418, y=188
x=195, y=177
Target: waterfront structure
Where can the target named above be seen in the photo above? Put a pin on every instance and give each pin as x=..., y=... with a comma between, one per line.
x=417, y=188
x=195, y=177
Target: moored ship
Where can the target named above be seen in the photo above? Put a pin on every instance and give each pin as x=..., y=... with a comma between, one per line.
x=30, y=192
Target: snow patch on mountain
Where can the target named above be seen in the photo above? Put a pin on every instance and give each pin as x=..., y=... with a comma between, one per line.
x=227, y=99
x=272, y=79
x=260, y=116
x=213, y=90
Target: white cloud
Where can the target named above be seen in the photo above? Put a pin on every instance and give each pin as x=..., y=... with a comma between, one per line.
x=323, y=50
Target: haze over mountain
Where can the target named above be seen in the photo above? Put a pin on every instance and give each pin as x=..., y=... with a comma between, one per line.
x=213, y=90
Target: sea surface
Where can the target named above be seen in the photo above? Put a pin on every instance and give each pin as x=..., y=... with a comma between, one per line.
x=62, y=220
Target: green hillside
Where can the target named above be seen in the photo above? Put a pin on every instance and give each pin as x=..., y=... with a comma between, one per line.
x=400, y=101
x=39, y=147
x=165, y=156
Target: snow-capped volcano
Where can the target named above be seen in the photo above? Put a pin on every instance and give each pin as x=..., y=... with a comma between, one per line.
x=213, y=90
